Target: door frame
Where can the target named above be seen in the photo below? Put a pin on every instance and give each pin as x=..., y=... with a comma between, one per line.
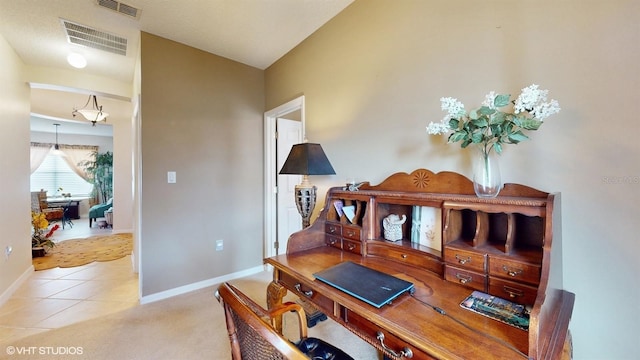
x=270, y=171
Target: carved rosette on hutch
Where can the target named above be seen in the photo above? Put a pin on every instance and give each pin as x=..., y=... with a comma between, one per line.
x=508, y=246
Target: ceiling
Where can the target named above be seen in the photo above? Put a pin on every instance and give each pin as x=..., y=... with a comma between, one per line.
x=253, y=32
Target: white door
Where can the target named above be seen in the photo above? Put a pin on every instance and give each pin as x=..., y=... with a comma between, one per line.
x=288, y=218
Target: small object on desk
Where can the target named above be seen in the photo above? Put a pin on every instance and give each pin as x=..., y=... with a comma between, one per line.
x=338, y=205
x=352, y=186
x=497, y=308
x=392, y=225
x=349, y=212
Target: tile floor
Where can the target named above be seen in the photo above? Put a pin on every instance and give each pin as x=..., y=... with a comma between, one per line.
x=57, y=297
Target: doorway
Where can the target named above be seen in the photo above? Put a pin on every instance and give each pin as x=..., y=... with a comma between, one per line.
x=280, y=219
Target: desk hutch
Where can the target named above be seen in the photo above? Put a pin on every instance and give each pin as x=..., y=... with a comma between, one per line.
x=508, y=246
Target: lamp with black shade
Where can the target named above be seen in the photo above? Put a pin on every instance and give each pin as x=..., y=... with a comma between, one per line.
x=306, y=159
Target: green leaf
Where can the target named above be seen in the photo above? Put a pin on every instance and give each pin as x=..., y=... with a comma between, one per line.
x=501, y=100
x=481, y=122
x=473, y=114
x=498, y=118
x=485, y=110
x=498, y=147
x=517, y=137
x=457, y=136
x=477, y=137
x=453, y=124
x=530, y=124
x=496, y=129
x=465, y=143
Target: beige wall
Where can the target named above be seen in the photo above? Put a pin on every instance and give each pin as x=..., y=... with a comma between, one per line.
x=14, y=160
x=202, y=118
x=372, y=79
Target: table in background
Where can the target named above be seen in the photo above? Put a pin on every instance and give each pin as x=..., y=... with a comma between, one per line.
x=74, y=206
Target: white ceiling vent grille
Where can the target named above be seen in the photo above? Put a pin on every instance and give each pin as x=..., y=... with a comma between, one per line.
x=96, y=39
x=120, y=8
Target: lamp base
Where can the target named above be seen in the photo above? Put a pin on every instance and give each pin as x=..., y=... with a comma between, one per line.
x=306, y=202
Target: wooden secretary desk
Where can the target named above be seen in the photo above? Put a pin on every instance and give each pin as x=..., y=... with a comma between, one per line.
x=508, y=246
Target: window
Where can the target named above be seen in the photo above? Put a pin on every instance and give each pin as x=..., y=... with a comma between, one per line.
x=54, y=173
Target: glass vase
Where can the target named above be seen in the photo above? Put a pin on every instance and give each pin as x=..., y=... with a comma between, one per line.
x=486, y=173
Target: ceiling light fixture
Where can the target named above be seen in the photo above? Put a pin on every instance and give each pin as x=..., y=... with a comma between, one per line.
x=77, y=60
x=94, y=114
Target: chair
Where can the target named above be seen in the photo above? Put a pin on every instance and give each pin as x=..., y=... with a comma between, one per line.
x=253, y=336
x=50, y=214
x=97, y=211
x=66, y=219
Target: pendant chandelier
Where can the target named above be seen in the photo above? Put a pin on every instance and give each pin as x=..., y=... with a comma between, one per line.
x=56, y=146
x=94, y=114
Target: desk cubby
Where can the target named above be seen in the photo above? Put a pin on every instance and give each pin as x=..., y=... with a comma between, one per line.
x=341, y=231
x=497, y=250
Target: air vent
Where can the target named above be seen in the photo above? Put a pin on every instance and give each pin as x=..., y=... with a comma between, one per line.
x=120, y=8
x=96, y=39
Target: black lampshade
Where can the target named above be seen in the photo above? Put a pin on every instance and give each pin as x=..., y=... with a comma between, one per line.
x=307, y=159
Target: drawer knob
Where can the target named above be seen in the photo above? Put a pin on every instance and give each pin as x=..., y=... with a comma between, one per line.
x=404, y=256
x=462, y=260
x=350, y=233
x=463, y=279
x=513, y=292
x=352, y=246
x=307, y=293
x=406, y=352
x=511, y=271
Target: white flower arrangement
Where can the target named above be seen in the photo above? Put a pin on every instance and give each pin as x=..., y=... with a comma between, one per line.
x=488, y=125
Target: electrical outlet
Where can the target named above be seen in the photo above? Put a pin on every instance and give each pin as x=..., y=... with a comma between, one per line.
x=219, y=245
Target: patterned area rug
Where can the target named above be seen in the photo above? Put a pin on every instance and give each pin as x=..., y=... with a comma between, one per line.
x=76, y=252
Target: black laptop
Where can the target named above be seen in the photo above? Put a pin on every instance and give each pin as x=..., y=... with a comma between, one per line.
x=371, y=286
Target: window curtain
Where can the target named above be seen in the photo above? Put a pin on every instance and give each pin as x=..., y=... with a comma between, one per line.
x=39, y=151
x=72, y=155
x=76, y=154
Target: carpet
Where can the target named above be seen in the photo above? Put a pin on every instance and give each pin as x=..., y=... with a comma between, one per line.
x=76, y=252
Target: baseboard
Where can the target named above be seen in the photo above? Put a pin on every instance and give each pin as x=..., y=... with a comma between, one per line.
x=199, y=285
x=6, y=295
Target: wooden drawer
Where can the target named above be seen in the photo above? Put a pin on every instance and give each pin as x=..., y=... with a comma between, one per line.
x=351, y=232
x=465, y=259
x=333, y=228
x=465, y=277
x=334, y=241
x=352, y=246
x=306, y=291
x=512, y=291
x=378, y=248
x=370, y=332
x=514, y=270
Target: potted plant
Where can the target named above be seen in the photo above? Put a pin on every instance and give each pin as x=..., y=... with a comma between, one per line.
x=100, y=171
x=41, y=237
